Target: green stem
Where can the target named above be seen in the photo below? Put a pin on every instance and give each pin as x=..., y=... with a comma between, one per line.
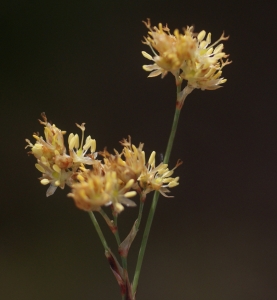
x=124, y=263
x=172, y=135
x=144, y=241
x=98, y=230
x=156, y=195
x=116, y=234
x=141, y=205
x=118, y=240
x=104, y=243
x=112, y=225
x=115, y=219
x=114, y=229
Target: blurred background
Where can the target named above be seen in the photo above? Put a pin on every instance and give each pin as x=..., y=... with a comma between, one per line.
x=80, y=61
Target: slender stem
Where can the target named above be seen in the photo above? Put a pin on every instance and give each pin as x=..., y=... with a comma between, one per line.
x=124, y=263
x=156, y=196
x=98, y=230
x=172, y=135
x=115, y=219
x=112, y=225
x=116, y=234
x=141, y=205
x=144, y=241
x=104, y=243
x=114, y=229
x=118, y=240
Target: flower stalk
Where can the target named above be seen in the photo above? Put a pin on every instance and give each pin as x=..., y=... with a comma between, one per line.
x=156, y=194
x=99, y=231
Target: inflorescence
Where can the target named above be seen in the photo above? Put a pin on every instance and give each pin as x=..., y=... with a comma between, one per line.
x=188, y=56
x=94, y=183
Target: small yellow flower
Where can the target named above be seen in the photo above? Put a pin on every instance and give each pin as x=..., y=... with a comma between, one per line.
x=205, y=68
x=56, y=166
x=52, y=160
x=53, y=143
x=187, y=56
x=132, y=166
x=157, y=178
x=173, y=50
x=94, y=190
x=145, y=176
x=78, y=152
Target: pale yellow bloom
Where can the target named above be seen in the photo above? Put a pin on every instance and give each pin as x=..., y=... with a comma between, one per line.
x=157, y=178
x=172, y=50
x=56, y=166
x=52, y=145
x=53, y=175
x=52, y=160
x=204, y=70
x=78, y=151
x=94, y=190
x=132, y=166
x=187, y=55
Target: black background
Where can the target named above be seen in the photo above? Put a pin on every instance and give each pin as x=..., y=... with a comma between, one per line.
x=80, y=61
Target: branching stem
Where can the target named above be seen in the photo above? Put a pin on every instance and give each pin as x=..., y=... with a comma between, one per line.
x=156, y=194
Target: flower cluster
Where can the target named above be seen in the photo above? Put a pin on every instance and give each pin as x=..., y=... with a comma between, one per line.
x=56, y=166
x=187, y=56
x=94, y=183
x=146, y=176
x=158, y=178
x=94, y=190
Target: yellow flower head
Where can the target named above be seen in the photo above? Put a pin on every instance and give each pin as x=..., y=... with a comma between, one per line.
x=132, y=166
x=187, y=55
x=173, y=50
x=52, y=160
x=56, y=166
x=94, y=190
x=157, y=178
x=53, y=143
x=78, y=151
x=205, y=69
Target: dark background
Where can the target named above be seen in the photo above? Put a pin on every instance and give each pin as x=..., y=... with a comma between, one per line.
x=80, y=61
